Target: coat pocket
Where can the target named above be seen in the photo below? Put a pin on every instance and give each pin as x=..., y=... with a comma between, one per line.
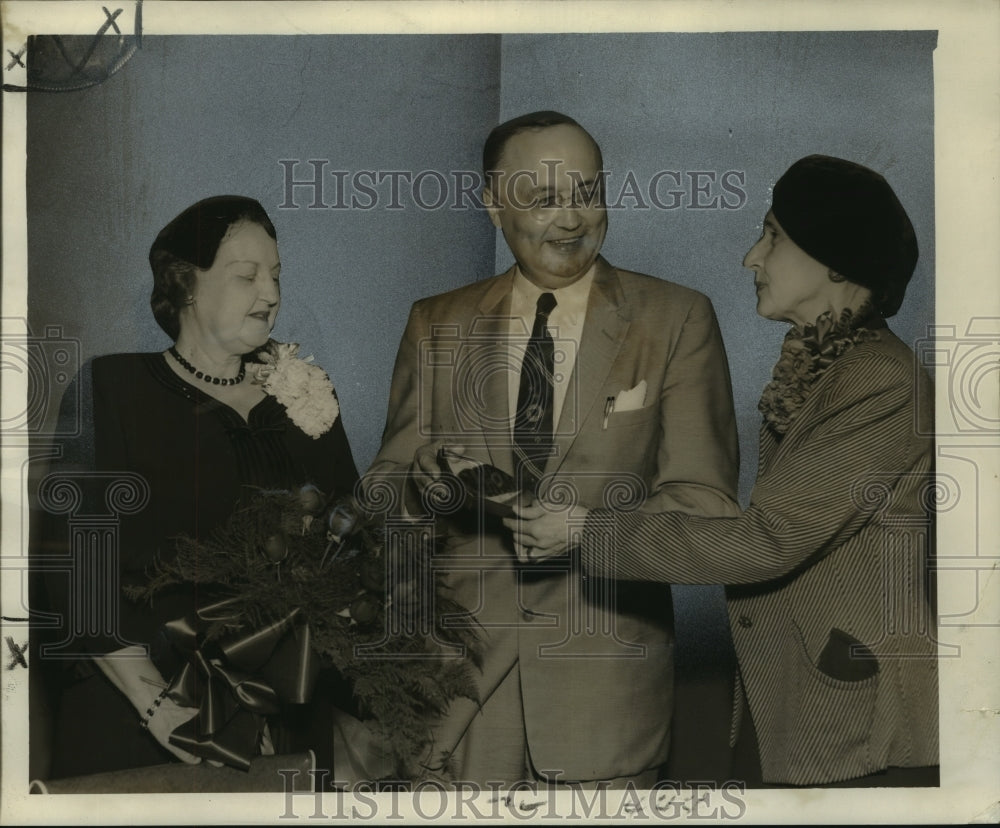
x=827, y=728
x=847, y=659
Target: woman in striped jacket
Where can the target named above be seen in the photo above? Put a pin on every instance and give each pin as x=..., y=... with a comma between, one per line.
x=826, y=571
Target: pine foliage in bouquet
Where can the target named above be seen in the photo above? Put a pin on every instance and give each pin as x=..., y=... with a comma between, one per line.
x=370, y=597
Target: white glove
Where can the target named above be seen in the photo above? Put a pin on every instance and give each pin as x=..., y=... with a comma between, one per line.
x=132, y=672
x=168, y=716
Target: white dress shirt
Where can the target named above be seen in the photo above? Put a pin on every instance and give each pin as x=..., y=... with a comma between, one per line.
x=565, y=326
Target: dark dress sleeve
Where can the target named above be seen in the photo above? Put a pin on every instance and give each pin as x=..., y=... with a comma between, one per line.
x=327, y=460
x=73, y=459
x=131, y=416
x=81, y=589
x=110, y=448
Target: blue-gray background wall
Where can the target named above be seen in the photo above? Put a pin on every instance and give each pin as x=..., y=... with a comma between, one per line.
x=189, y=117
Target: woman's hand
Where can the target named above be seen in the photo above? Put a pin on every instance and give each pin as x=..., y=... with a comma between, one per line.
x=132, y=672
x=167, y=717
x=426, y=469
x=542, y=530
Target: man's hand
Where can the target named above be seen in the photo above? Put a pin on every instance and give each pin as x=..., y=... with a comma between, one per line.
x=425, y=471
x=542, y=530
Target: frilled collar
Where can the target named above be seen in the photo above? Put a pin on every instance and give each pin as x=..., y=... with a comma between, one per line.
x=808, y=350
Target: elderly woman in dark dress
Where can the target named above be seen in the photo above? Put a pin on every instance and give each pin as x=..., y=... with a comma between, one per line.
x=193, y=423
x=825, y=571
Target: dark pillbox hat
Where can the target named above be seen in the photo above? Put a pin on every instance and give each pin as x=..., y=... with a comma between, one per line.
x=847, y=217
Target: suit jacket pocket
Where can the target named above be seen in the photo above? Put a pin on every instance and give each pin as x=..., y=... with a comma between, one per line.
x=623, y=419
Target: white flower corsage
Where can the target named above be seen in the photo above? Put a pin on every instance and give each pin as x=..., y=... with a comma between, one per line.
x=302, y=388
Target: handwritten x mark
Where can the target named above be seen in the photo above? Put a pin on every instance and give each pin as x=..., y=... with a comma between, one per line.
x=18, y=653
x=16, y=58
x=110, y=21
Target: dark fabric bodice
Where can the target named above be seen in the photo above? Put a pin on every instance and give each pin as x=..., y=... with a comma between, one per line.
x=200, y=459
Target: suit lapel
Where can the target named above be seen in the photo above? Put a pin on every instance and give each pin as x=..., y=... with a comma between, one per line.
x=604, y=332
x=489, y=336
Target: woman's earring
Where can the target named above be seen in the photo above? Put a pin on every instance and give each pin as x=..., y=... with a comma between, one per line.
x=189, y=300
x=836, y=277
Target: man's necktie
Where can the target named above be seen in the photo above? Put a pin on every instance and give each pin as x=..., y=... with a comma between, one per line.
x=533, y=425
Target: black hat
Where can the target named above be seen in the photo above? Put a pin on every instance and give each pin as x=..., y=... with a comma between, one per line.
x=847, y=217
x=195, y=234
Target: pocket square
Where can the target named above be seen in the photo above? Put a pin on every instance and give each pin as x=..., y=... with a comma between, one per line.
x=632, y=399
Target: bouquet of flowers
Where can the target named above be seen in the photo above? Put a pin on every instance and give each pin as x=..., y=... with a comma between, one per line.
x=360, y=593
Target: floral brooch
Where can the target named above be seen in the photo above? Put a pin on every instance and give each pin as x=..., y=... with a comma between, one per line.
x=302, y=387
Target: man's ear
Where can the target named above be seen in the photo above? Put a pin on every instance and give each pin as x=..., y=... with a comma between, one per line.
x=491, y=205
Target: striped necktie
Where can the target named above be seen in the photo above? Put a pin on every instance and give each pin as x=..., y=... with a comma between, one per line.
x=533, y=427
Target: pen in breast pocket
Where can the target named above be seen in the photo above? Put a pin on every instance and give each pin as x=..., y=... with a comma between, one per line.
x=609, y=409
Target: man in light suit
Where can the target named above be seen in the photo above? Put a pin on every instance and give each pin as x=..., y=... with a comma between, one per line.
x=635, y=411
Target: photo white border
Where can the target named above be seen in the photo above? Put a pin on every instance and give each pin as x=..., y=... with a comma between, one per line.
x=967, y=218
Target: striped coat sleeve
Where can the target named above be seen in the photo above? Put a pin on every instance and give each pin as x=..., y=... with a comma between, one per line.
x=857, y=424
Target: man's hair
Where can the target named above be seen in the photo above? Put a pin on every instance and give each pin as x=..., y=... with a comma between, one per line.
x=498, y=138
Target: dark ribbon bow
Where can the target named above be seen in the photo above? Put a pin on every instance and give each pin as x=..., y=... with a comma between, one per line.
x=237, y=681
